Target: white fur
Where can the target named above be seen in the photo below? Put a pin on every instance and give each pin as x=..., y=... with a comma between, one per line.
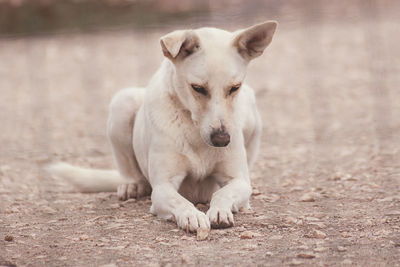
x=162, y=135
x=87, y=180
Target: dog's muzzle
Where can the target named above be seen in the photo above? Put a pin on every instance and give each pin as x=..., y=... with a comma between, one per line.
x=220, y=138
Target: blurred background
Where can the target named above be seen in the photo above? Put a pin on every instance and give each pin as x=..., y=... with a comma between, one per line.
x=327, y=86
x=329, y=80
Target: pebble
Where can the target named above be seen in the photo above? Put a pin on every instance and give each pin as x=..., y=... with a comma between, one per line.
x=247, y=235
x=185, y=237
x=83, y=237
x=347, y=262
x=320, y=225
x=161, y=239
x=308, y=197
x=341, y=249
x=108, y=265
x=276, y=237
x=256, y=192
x=130, y=200
x=185, y=259
x=273, y=198
x=318, y=234
x=295, y=262
x=202, y=234
x=49, y=210
x=291, y=220
x=248, y=211
x=306, y=256
x=319, y=249
x=8, y=238
x=116, y=206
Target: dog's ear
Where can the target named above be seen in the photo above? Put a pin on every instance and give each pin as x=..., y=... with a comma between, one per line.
x=252, y=41
x=179, y=44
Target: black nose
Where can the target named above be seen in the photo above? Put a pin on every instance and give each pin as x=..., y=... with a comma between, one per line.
x=220, y=138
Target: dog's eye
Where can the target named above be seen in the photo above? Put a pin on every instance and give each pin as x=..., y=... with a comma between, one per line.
x=199, y=89
x=234, y=89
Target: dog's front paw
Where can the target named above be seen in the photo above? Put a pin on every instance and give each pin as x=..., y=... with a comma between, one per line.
x=220, y=218
x=192, y=219
x=133, y=190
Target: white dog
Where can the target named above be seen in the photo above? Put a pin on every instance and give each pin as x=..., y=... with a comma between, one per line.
x=191, y=135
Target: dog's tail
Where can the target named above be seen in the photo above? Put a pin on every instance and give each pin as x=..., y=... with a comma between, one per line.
x=87, y=180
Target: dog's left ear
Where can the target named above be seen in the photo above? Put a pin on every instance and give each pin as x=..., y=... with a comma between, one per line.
x=179, y=44
x=252, y=41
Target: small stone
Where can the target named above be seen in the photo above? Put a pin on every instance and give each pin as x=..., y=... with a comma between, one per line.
x=116, y=206
x=161, y=239
x=393, y=213
x=202, y=234
x=308, y=197
x=318, y=234
x=130, y=200
x=49, y=210
x=346, y=234
x=319, y=249
x=272, y=198
x=108, y=265
x=256, y=192
x=8, y=238
x=306, y=256
x=347, y=262
x=117, y=247
x=268, y=253
x=247, y=211
x=341, y=249
x=295, y=262
x=320, y=225
x=247, y=235
x=83, y=237
x=276, y=237
x=303, y=247
x=185, y=237
x=291, y=220
x=261, y=197
x=185, y=259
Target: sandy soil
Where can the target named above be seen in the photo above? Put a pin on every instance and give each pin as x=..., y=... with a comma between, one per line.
x=326, y=184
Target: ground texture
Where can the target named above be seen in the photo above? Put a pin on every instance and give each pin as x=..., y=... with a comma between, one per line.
x=326, y=184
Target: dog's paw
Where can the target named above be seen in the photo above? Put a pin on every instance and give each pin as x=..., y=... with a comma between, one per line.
x=133, y=190
x=220, y=218
x=192, y=219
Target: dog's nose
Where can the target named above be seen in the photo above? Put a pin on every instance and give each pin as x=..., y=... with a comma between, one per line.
x=220, y=138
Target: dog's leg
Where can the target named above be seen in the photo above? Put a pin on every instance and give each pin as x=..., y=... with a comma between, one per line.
x=123, y=109
x=166, y=176
x=234, y=195
x=226, y=200
x=254, y=138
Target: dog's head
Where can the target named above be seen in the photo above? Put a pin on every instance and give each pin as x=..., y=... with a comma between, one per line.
x=210, y=66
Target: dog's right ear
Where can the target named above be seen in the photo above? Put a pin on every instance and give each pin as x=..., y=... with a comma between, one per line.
x=179, y=44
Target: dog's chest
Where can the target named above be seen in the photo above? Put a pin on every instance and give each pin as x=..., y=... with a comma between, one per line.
x=203, y=161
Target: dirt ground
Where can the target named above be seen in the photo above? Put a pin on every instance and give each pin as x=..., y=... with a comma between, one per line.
x=326, y=183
